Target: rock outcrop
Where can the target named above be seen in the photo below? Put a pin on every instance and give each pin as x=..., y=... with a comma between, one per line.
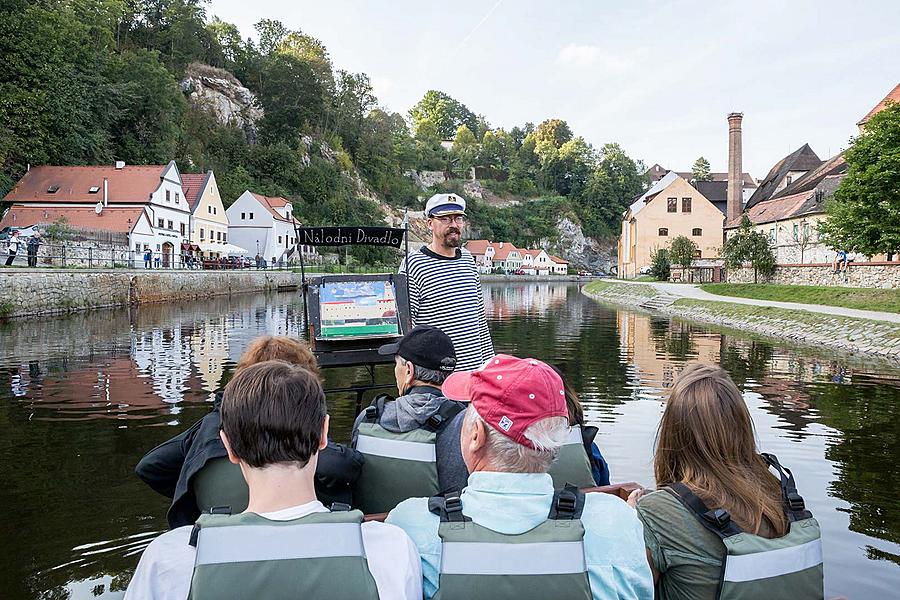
x=220, y=92
x=581, y=251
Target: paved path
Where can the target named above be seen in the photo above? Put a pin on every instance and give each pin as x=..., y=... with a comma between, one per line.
x=687, y=290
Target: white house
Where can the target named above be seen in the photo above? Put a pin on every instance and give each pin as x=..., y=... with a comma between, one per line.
x=143, y=203
x=264, y=226
x=537, y=262
x=560, y=266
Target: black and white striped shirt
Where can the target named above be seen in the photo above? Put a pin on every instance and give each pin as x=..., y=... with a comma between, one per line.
x=446, y=292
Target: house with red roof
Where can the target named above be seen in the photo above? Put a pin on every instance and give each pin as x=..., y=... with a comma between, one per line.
x=209, y=220
x=263, y=225
x=893, y=96
x=144, y=203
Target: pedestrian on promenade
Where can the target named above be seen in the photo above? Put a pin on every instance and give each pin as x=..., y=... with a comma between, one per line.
x=13, y=248
x=839, y=264
x=34, y=242
x=444, y=287
x=148, y=257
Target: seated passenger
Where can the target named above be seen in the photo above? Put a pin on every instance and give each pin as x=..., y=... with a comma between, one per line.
x=286, y=545
x=718, y=501
x=193, y=469
x=579, y=461
x=508, y=535
x=399, y=437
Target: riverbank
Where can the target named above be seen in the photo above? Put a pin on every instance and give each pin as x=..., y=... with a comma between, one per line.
x=849, y=334
x=54, y=291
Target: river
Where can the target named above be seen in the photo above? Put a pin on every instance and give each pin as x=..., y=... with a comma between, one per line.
x=83, y=397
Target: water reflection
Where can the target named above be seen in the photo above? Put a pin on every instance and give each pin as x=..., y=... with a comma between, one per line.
x=83, y=397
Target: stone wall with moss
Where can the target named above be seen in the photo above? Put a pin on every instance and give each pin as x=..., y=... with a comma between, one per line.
x=863, y=275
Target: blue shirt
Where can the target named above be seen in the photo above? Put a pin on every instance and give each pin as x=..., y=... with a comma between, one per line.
x=513, y=503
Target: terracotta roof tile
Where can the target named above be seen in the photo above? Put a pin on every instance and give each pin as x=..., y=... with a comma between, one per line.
x=193, y=184
x=558, y=260
x=477, y=246
x=801, y=159
x=110, y=219
x=131, y=184
x=893, y=96
x=271, y=204
x=775, y=209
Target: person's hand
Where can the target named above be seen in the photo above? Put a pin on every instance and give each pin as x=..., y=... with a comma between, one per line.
x=634, y=496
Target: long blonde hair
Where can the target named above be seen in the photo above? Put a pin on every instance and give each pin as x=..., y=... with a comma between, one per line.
x=705, y=441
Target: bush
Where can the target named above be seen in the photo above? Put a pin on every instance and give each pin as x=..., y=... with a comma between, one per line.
x=660, y=264
x=682, y=251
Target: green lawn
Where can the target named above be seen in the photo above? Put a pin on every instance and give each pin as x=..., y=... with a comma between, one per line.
x=860, y=298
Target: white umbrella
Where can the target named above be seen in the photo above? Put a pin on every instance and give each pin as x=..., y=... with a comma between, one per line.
x=231, y=249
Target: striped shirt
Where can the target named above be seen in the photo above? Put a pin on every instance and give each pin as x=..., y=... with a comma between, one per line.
x=446, y=293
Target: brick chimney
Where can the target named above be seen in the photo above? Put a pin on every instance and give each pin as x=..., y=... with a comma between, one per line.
x=735, y=204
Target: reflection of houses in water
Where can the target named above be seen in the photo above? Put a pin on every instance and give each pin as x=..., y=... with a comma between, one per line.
x=164, y=355
x=209, y=343
x=504, y=301
x=660, y=348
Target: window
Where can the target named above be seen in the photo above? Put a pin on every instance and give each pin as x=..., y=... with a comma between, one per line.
x=697, y=254
x=182, y=229
x=52, y=189
x=137, y=247
x=696, y=231
x=251, y=216
x=663, y=231
x=672, y=205
x=686, y=205
x=787, y=180
x=279, y=239
x=202, y=233
x=214, y=209
x=209, y=209
x=219, y=236
x=171, y=225
x=243, y=216
x=94, y=189
x=161, y=223
x=772, y=235
x=177, y=197
x=806, y=230
x=225, y=237
x=168, y=196
x=796, y=232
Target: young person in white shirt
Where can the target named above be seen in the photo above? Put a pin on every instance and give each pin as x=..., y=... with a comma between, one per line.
x=274, y=422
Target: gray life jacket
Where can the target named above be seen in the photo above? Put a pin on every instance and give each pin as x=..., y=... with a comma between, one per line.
x=785, y=568
x=248, y=556
x=398, y=465
x=220, y=483
x=546, y=562
x=572, y=465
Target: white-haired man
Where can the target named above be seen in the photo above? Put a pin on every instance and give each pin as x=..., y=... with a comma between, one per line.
x=444, y=287
x=509, y=534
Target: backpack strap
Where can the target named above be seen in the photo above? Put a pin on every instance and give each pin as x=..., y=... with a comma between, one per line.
x=567, y=505
x=437, y=421
x=794, y=506
x=717, y=521
x=448, y=507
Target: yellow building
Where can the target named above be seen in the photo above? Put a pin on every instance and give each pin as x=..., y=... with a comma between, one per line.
x=209, y=223
x=671, y=207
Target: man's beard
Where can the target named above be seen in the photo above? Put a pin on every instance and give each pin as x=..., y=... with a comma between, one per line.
x=452, y=242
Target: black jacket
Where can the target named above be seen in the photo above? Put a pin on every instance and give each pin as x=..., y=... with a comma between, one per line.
x=169, y=467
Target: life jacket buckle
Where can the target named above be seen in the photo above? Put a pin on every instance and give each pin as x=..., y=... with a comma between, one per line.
x=339, y=507
x=434, y=421
x=371, y=413
x=795, y=501
x=453, y=504
x=566, y=504
x=719, y=517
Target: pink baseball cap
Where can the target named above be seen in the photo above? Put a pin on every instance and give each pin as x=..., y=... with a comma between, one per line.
x=510, y=393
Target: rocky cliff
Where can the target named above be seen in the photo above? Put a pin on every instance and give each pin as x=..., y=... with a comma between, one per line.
x=581, y=251
x=221, y=93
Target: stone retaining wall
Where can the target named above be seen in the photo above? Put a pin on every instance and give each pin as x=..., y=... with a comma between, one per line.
x=47, y=291
x=862, y=275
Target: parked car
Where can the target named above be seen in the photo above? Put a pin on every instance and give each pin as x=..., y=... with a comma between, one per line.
x=584, y=273
x=599, y=274
x=519, y=272
x=644, y=270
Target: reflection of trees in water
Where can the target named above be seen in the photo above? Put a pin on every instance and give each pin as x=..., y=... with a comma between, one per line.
x=745, y=359
x=673, y=338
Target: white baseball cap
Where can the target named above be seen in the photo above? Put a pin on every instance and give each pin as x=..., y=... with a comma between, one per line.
x=445, y=204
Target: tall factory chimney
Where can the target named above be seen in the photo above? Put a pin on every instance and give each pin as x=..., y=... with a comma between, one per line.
x=735, y=204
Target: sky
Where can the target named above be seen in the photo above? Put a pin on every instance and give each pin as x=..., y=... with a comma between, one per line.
x=659, y=78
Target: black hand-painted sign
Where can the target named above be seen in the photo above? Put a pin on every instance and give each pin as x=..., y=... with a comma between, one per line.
x=350, y=236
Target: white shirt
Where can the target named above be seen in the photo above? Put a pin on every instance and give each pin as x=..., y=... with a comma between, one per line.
x=167, y=565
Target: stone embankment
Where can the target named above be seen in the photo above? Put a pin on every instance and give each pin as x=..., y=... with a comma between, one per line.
x=877, y=338
x=51, y=291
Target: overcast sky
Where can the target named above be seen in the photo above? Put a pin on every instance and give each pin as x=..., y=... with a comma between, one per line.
x=657, y=77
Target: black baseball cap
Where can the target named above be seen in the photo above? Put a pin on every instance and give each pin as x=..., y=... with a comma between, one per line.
x=425, y=346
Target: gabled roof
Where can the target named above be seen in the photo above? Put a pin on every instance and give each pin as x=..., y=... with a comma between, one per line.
x=656, y=188
x=193, y=185
x=533, y=252
x=746, y=180
x=801, y=159
x=130, y=184
x=893, y=96
x=836, y=165
x=558, y=260
x=775, y=209
x=477, y=246
x=270, y=204
x=503, y=250
x=121, y=219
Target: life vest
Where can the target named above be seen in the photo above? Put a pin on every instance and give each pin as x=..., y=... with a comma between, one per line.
x=546, y=562
x=247, y=556
x=785, y=568
x=398, y=465
x=572, y=464
x=220, y=483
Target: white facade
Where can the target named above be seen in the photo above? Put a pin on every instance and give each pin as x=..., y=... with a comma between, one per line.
x=169, y=216
x=263, y=226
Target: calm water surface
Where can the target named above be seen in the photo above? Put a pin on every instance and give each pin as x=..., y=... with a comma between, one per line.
x=83, y=397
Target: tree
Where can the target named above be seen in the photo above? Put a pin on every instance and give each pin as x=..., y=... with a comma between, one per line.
x=291, y=97
x=660, y=264
x=438, y=112
x=700, y=170
x=864, y=215
x=609, y=189
x=682, y=251
x=465, y=149
x=749, y=245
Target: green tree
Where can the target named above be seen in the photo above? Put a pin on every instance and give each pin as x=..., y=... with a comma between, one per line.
x=291, y=97
x=660, y=264
x=609, y=189
x=864, y=215
x=749, y=245
x=700, y=170
x=437, y=111
x=465, y=149
x=682, y=251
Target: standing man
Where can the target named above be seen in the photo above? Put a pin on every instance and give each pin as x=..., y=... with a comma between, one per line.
x=444, y=287
x=13, y=247
x=34, y=242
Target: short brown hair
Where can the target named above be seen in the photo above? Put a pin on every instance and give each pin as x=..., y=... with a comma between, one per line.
x=269, y=347
x=272, y=412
